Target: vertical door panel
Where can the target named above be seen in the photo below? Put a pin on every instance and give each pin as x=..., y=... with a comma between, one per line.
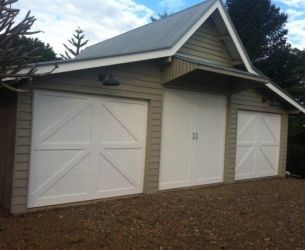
x=210, y=124
x=176, y=139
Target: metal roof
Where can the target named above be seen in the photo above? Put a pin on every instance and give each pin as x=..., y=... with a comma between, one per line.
x=159, y=35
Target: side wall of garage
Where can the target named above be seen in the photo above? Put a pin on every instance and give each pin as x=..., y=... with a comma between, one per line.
x=139, y=81
x=7, y=144
x=251, y=100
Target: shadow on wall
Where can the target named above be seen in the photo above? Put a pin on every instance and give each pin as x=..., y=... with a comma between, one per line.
x=296, y=145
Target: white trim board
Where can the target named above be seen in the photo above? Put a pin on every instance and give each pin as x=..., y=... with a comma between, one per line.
x=235, y=38
x=285, y=97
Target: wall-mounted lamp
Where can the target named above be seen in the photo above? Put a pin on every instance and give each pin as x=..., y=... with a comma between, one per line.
x=274, y=103
x=107, y=78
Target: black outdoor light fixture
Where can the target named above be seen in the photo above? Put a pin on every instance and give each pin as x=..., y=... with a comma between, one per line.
x=107, y=78
x=274, y=102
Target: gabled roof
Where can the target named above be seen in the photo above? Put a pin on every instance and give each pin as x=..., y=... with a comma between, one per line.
x=160, y=35
x=156, y=40
x=163, y=39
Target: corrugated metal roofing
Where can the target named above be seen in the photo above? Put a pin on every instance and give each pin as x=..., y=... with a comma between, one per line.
x=159, y=35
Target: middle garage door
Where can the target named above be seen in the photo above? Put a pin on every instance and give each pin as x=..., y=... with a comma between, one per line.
x=86, y=147
x=193, y=139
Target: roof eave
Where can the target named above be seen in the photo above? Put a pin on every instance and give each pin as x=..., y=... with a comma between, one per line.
x=285, y=96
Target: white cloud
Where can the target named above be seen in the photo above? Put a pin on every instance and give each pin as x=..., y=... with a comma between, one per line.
x=296, y=27
x=296, y=34
x=101, y=19
x=292, y=3
x=295, y=14
x=296, y=21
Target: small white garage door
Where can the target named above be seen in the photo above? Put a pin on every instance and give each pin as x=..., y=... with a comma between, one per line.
x=193, y=139
x=258, y=145
x=86, y=147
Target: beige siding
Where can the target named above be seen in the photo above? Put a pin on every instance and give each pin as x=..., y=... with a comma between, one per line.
x=251, y=100
x=284, y=145
x=22, y=153
x=140, y=80
x=182, y=66
x=206, y=44
x=8, y=106
x=176, y=69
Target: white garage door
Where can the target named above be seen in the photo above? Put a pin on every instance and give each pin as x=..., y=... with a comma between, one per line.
x=258, y=145
x=85, y=148
x=193, y=139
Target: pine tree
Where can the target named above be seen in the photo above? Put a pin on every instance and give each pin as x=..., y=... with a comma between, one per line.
x=77, y=42
x=160, y=16
x=261, y=26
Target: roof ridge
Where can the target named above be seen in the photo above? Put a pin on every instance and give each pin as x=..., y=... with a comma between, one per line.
x=183, y=10
x=159, y=20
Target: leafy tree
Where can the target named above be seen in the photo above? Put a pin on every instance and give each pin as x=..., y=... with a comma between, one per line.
x=14, y=58
x=43, y=52
x=77, y=42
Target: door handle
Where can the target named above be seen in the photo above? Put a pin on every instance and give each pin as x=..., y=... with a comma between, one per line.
x=195, y=136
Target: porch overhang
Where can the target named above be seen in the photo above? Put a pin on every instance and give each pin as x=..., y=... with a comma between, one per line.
x=181, y=65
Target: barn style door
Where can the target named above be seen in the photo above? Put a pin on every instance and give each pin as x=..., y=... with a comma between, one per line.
x=86, y=148
x=258, y=145
x=193, y=139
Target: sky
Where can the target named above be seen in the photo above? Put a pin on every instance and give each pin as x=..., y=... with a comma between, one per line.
x=102, y=19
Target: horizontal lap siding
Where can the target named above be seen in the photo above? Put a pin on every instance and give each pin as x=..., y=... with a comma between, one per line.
x=284, y=145
x=22, y=153
x=206, y=44
x=250, y=100
x=139, y=80
x=8, y=109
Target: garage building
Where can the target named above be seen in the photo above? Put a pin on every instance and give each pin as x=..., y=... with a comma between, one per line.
x=188, y=109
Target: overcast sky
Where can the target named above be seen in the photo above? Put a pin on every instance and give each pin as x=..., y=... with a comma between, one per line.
x=102, y=19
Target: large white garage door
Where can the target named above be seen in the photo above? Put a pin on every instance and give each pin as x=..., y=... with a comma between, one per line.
x=85, y=148
x=193, y=139
x=258, y=145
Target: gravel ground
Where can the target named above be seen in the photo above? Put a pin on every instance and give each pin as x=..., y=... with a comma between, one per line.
x=266, y=214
